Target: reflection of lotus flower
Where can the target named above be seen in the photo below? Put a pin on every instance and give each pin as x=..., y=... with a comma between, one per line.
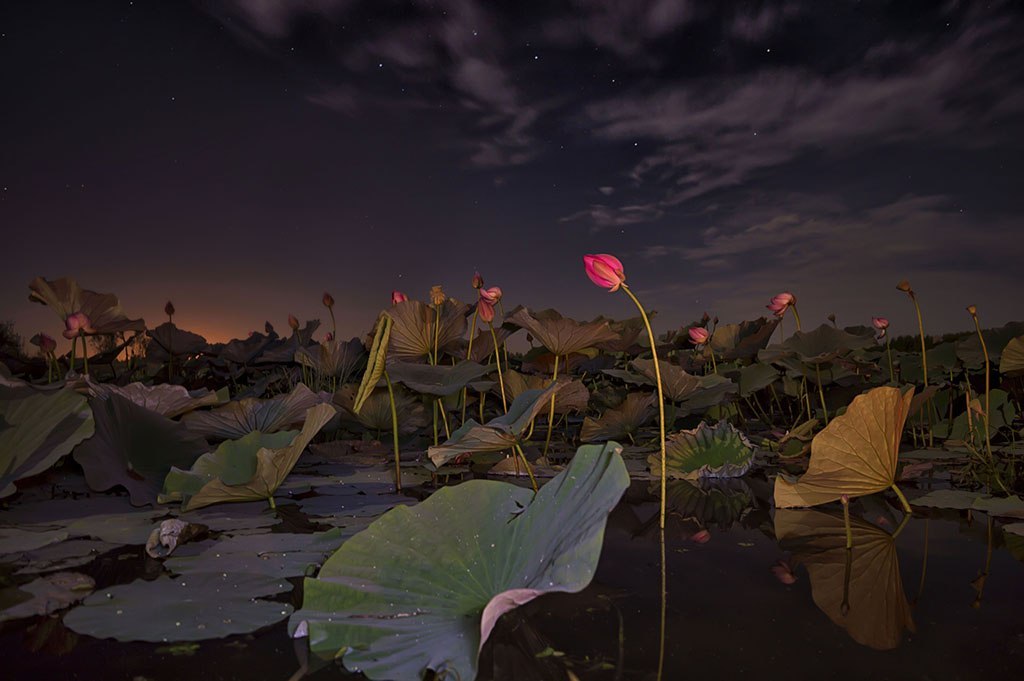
x=783, y=572
x=700, y=537
x=293, y=322
x=478, y=281
x=328, y=300
x=77, y=324
x=398, y=297
x=169, y=309
x=486, y=310
x=491, y=295
x=605, y=270
x=698, y=335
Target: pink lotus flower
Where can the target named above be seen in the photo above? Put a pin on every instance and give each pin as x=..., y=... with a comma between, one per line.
x=699, y=335
x=398, y=297
x=783, y=572
x=781, y=302
x=328, y=300
x=700, y=537
x=490, y=295
x=293, y=322
x=77, y=324
x=485, y=309
x=605, y=271
x=329, y=337
x=478, y=281
x=880, y=323
x=46, y=343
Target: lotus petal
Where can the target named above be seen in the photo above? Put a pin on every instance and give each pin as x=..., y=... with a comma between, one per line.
x=855, y=454
x=241, y=417
x=65, y=297
x=480, y=549
x=561, y=335
x=624, y=420
x=718, y=451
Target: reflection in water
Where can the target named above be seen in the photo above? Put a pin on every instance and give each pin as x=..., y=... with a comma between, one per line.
x=860, y=589
x=723, y=502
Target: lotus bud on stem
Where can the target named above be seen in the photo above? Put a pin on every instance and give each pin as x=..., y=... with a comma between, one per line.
x=169, y=311
x=904, y=286
x=882, y=325
x=973, y=311
x=700, y=336
x=486, y=311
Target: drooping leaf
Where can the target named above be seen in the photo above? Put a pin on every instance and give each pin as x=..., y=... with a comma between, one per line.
x=37, y=430
x=742, y=341
x=855, y=454
x=240, y=417
x=622, y=421
x=561, y=335
x=860, y=590
x=65, y=297
x=572, y=395
x=413, y=332
x=245, y=469
x=480, y=549
x=165, y=399
x=375, y=363
x=718, y=451
x=135, y=448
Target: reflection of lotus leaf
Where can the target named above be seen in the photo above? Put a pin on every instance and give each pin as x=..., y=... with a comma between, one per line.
x=820, y=346
x=855, y=454
x=37, y=430
x=480, y=549
x=722, y=501
x=718, y=451
x=743, y=340
x=561, y=335
x=1011, y=362
x=572, y=396
x=413, y=334
x=623, y=420
x=240, y=417
x=860, y=590
x=65, y=297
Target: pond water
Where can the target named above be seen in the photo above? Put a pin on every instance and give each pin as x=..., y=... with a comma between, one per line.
x=767, y=595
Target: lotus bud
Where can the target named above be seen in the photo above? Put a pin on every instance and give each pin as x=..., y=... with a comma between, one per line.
x=486, y=310
x=905, y=287
x=328, y=300
x=77, y=324
x=880, y=323
x=169, y=309
x=398, y=297
x=972, y=310
x=699, y=335
x=329, y=337
x=293, y=322
x=478, y=281
x=783, y=572
x=832, y=318
x=781, y=302
x=704, y=319
x=845, y=499
x=492, y=295
x=605, y=270
x=437, y=296
x=700, y=537
x=44, y=342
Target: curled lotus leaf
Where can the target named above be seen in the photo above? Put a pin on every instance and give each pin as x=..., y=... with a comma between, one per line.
x=167, y=340
x=624, y=420
x=413, y=333
x=375, y=414
x=820, y=346
x=561, y=335
x=165, y=399
x=855, y=454
x=65, y=297
x=1011, y=360
x=572, y=396
x=744, y=340
x=439, y=381
x=480, y=549
x=334, y=358
x=240, y=417
x=37, y=429
x=719, y=451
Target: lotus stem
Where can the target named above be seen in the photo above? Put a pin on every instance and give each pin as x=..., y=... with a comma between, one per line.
x=551, y=410
x=444, y=418
x=334, y=324
x=273, y=504
x=924, y=361
x=796, y=316
x=846, y=521
x=844, y=608
x=664, y=605
x=483, y=398
x=888, y=352
x=497, y=358
x=988, y=372
x=821, y=391
x=661, y=398
x=504, y=345
x=714, y=366
x=74, y=347
x=394, y=431
x=903, y=499
x=529, y=469
x=437, y=331
x=469, y=354
x=924, y=563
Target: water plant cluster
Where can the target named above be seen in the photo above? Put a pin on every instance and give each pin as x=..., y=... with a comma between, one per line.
x=441, y=478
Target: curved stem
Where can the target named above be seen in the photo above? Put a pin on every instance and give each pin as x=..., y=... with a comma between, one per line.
x=924, y=363
x=469, y=354
x=551, y=411
x=888, y=351
x=988, y=371
x=497, y=360
x=796, y=315
x=661, y=397
x=394, y=431
x=821, y=391
x=529, y=469
x=903, y=499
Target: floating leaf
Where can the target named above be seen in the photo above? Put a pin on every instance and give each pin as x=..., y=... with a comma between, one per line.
x=855, y=454
x=480, y=549
x=959, y=499
x=624, y=420
x=275, y=554
x=49, y=594
x=718, y=451
x=241, y=417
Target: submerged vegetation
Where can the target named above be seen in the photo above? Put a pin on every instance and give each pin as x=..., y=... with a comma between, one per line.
x=349, y=473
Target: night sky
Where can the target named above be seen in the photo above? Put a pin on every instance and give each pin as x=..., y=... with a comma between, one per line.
x=241, y=157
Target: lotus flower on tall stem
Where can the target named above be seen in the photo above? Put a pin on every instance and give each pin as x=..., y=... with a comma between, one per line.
x=77, y=325
x=700, y=336
x=169, y=311
x=485, y=309
x=328, y=301
x=881, y=324
x=904, y=286
x=607, y=272
x=973, y=311
x=782, y=302
x=48, y=347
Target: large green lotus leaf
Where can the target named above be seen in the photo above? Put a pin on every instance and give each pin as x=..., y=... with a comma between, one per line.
x=623, y=420
x=37, y=430
x=193, y=607
x=241, y=417
x=421, y=588
x=561, y=335
x=718, y=451
x=246, y=469
x=855, y=454
x=483, y=343
x=440, y=381
x=941, y=359
x=755, y=377
x=65, y=297
x=676, y=383
x=820, y=346
x=111, y=519
x=272, y=554
x=136, y=448
x=969, y=349
x=572, y=395
x=860, y=589
x=413, y=330
x=721, y=501
x=743, y=340
x=375, y=414
x=167, y=340
x=1011, y=361
x=634, y=378
x=334, y=358
x=498, y=433
x=165, y=399
x=49, y=594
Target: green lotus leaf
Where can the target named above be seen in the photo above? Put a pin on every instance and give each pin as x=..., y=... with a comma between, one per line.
x=969, y=349
x=165, y=399
x=624, y=420
x=941, y=359
x=630, y=332
x=36, y=430
x=959, y=499
x=1001, y=507
x=271, y=554
x=245, y=469
x=497, y=434
x=440, y=381
x=820, y=346
x=561, y=335
x=714, y=390
x=135, y=448
x=636, y=379
x=719, y=501
x=243, y=351
x=65, y=297
x=194, y=607
x=971, y=426
x=744, y=340
x=241, y=417
x=718, y=451
x=479, y=549
x=1011, y=360
x=49, y=594
x=755, y=377
x=168, y=340
x=334, y=358
x=413, y=332
x=376, y=362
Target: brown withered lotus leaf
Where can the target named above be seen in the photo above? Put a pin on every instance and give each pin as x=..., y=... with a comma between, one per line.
x=65, y=297
x=630, y=332
x=822, y=345
x=860, y=590
x=338, y=359
x=412, y=333
x=1011, y=361
x=168, y=339
x=239, y=417
x=855, y=454
x=244, y=351
x=743, y=340
x=572, y=397
x=375, y=413
x=561, y=335
x=440, y=381
x=637, y=410
x=164, y=399
x=969, y=349
x=483, y=343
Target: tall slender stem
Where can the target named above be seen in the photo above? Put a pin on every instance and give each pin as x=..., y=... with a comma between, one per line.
x=846, y=522
x=529, y=469
x=551, y=410
x=74, y=347
x=664, y=605
x=497, y=358
x=888, y=351
x=469, y=355
x=821, y=391
x=988, y=372
x=85, y=355
x=661, y=397
x=394, y=431
x=924, y=363
x=334, y=324
x=796, y=316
